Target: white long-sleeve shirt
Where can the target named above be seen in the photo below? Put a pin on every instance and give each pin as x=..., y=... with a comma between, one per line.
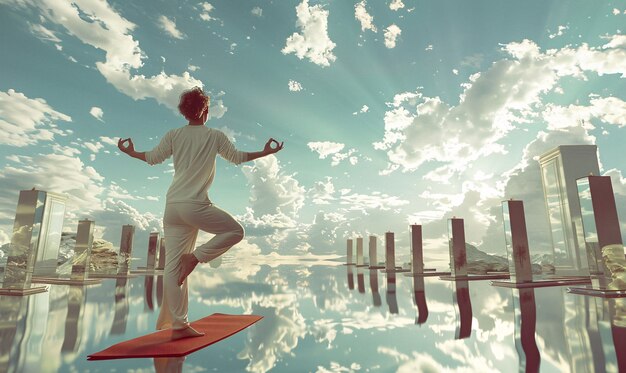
x=194, y=148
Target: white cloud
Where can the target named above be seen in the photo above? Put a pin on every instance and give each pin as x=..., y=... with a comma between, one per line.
x=96, y=112
x=391, y=35
x=169, y=26
x=191, y=67
x=108, y=140
x=43, y=33
x=275, y=196
x=396, y=4
x=366, y=19
x=325, y=148
x=364, y=109
x=420, y=129
x=455, y=71
x=313, y=41
x=207, y=8
x=97, y=24
x=257, y=11
x=294, y=86
x=57, y=173
x=94, y=147
x=559, y=31
x=26, y=121
x=374, y=201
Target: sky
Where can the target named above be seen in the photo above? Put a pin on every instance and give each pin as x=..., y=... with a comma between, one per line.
x=392, y=112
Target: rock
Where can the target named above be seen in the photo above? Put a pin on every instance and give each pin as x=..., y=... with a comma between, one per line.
x=615, y=262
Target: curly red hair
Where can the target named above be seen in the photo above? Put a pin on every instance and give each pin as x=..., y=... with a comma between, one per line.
x=193, y=103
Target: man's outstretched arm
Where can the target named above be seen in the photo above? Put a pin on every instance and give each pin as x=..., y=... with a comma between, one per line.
x=267, y=150
x=130, y=149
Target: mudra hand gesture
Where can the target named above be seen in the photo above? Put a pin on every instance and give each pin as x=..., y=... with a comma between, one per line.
x=128, y=148
x=268, y=149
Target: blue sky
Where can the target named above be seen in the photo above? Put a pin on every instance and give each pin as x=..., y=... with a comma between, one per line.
x=392, y=112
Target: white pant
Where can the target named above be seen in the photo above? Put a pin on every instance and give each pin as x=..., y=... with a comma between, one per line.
x=181, y=222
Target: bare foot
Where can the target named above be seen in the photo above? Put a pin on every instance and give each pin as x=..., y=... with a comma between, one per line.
x=187, y=263
x=187, y=332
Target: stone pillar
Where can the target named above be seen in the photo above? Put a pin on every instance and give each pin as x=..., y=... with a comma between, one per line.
x=600, y=220
x=161, y=260
x=359, y=251
x=153, y=243
x=82, y=249
x=520, y=268
x=126, y=248
x=390, y=252
x=417, y=253
x=349, y=249
x=372, y=251
x=456, y=239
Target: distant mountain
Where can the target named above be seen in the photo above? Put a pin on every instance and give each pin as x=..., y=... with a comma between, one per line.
x=102, y=253
x=479, y=262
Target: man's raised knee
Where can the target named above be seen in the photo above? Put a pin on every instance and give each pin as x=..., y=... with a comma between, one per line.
x=238, y=232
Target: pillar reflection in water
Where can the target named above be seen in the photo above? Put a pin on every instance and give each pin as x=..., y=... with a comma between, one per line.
x=463, y=309
x=360, y=280
x=607, y=318
x=390, y=295
x=121, y=307
x=420, y=300
x=525, y=324
x=350, y=277
x=169, y=364
x=376, y=299
x=148, y=285
x=159, y=290
x=161, y=256
x=24, y=321
x=74, y=319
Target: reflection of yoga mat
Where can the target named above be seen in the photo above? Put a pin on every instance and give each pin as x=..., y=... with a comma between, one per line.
x=217, y=327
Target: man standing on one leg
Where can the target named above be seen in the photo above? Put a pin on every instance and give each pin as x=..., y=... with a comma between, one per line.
x=188, y=209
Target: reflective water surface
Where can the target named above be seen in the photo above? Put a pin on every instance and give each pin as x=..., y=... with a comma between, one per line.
x=320, y=317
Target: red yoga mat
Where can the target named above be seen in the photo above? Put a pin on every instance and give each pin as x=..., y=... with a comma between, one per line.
x=216, y=327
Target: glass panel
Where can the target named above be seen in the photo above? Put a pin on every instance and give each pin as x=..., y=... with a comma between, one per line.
x=589, y=226
x=556, y=215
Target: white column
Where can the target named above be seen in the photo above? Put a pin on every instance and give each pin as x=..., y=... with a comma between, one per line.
x=359, y=251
